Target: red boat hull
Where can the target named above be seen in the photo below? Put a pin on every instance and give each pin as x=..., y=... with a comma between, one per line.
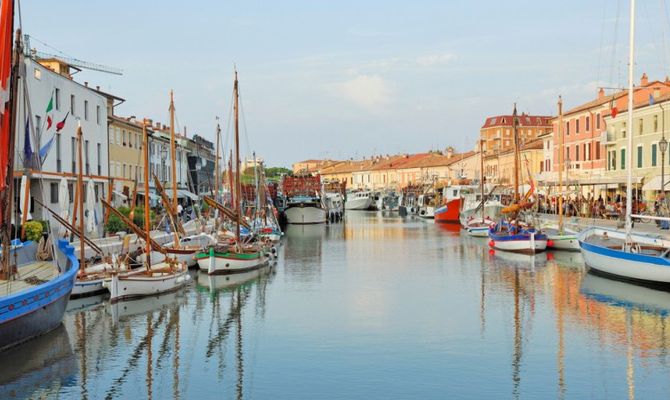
x=449, y=213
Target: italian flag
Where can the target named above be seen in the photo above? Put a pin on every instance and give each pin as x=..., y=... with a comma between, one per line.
x=48, y=112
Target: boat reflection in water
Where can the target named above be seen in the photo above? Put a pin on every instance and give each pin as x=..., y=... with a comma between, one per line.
x=47, y=365
x=518, y=260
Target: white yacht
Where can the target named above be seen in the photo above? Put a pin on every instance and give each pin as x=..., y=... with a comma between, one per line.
x=359, y=200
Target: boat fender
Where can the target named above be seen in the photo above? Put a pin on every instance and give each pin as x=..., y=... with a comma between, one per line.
x=550, y=243
x=492, y=243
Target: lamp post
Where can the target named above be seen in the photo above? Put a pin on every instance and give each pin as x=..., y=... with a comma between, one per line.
x=663, y=146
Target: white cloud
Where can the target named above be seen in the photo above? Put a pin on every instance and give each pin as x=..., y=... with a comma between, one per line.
x=432, y=60
x=367, y=91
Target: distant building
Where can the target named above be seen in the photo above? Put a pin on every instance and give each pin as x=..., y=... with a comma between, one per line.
x=201, y=164
x=497, y=132
x=310, y=166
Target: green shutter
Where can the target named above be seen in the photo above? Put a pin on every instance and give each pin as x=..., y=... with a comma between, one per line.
x=623, y=158
x=639, y=156
x=653, y=155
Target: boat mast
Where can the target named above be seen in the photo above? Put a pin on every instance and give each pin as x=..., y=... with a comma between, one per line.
x=238, y=186
x=560, y=164
x=516, y=155
x=481, y=171
x=7, y=197
x=173, y=153
x=629, y=152
x=147, y=211
x=217, y=177
x=80, y=188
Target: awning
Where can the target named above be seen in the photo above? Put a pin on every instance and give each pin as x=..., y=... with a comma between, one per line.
x=151, y=195
x=186, y=194
x=655, y=183
x=119, y=194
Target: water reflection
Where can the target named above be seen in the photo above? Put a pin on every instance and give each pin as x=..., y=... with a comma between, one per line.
x=39, y=370
x=303, y=252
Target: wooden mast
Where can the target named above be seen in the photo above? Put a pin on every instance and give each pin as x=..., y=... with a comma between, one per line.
x=238, y=186
x=173, y=153
x=561, y=153
x=80, y=189
x=516, y=155
x=147, y=211
x=481, y=171
x=217, y=176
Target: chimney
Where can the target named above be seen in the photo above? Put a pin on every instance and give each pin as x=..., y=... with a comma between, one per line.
x=667, y=80
x=97, y=88
x=601, y=94
x=644, y=81
x=86, y=84
x=450, y=152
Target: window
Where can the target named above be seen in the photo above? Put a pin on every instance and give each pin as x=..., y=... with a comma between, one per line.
x=118, y=137
x=53, y=190
x=577, y=126
x=639, y=156
x=38, y=125
x=123, y=136
x=59, y=167
x=567, y=153
x=587, y=151
x=623, y=158
x=623, y=130
x=72, y=105
x=576, y=152
x=641, y=126
x=88, y=165
x=655, y=123
x=588, y=123
x=597, y=150
x=86, y=110
x=124, y=170
x=567, y=128
x=614, y=159
x=653, y=155
x=70, y=191
x=597, y=121
x=74, y=155
x=99, y=159
x=57, y=95
x=97, y=114
x=130, y=139
x=96, y=188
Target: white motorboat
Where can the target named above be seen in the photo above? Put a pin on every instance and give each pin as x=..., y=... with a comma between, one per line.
x=557, y=240
x=359, y=200
x=425, y=206
x=334, y=205
x=305, y=210
x=479, y=228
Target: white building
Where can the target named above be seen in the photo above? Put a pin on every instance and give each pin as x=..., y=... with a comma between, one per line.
x=80, y=104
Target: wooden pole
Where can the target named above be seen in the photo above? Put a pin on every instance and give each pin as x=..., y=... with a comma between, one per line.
x=80, y=189
x=561, y=154
x=216, y=162
x=238, y=186
x=173, y=153
x=516, y=155
x=109, y=197
x=147, y=210
x=481, y=171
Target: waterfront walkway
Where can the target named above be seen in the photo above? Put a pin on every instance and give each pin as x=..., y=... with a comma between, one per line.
x=580, y=223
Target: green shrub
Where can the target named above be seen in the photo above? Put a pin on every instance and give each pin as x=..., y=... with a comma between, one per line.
x=114, y=224
x=138, y=218
x=45, y=226
x=33, y=230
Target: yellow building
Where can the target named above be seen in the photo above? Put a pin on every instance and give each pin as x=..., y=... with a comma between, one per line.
x=499, y=169
x=125, y=153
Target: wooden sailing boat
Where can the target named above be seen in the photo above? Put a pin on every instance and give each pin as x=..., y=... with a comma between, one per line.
x=511, y=234
x=33, y=293
x=627, y=255
x=561, y=238
x=238, y=255
x=152, y=279
x=480, y=227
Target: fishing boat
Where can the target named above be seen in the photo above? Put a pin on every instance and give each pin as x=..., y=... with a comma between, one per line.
x=426, y=205
x=33, y=292
x=452, y=201
x=237, y=254
x=511, y=234
x=625, y=254
x=303, y=203
x=561, y=238
x=360, y=200
x=152, y=279
x=479, y=227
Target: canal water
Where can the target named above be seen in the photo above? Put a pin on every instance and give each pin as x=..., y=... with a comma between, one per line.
x=378, y=307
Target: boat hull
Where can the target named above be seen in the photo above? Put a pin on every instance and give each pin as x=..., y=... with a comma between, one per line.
x=129, y=287
x=358, y=203
x=563, y=242
x=427, y=212
x=229, y=263
x=478, y=231
x=625, y=265
x=525, y=244
x=89, y=287
x=36, y=311
x=305, y=215
x=449, y=213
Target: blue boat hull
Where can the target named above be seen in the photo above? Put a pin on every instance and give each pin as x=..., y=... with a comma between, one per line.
x=38, y=310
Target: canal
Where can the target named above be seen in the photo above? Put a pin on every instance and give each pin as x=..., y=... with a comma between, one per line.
x=378, y=307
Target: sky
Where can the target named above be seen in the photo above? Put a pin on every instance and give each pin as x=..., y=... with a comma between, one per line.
x=350, y=79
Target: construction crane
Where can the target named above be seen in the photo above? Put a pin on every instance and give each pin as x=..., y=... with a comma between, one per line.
x=70, y=60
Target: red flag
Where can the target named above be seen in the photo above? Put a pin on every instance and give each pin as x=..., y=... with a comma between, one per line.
x=6, y=32
x=49, y=122
x=614, y=111
x=61, y=124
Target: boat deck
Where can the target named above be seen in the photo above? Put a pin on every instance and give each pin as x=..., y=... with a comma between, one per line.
x=29, y=275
